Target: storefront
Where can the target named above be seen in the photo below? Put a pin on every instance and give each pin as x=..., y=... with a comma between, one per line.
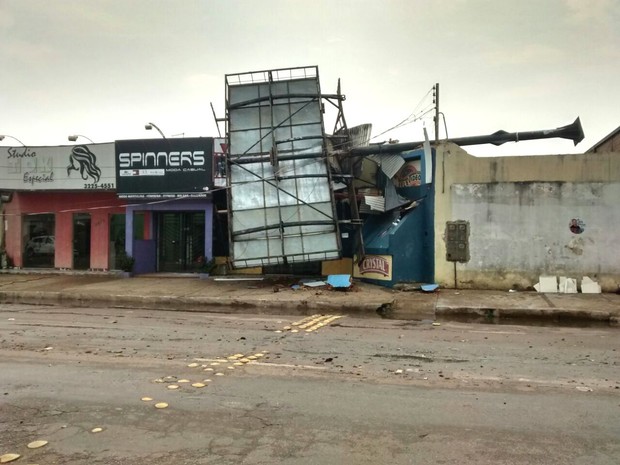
x=61, y=210
x=167, y=184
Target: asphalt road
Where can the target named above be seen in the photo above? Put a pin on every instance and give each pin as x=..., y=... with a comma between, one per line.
x=352, y=391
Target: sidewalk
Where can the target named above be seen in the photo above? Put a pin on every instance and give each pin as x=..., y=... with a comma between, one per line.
x=276, y=296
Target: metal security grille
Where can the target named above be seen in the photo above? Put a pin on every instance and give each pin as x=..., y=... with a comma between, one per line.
x=181, y=241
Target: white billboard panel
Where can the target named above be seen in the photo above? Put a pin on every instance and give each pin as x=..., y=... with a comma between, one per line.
x=281, y=204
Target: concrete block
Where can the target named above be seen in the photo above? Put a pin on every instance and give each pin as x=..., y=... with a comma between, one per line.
x=589, y=286
x=568, y=285
x=548, y=284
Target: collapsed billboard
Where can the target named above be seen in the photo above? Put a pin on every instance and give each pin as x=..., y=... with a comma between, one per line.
x=281, y=205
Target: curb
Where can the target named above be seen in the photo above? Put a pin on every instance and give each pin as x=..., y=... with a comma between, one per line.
x=395, y=309
x=194, y=304
x=555, y=315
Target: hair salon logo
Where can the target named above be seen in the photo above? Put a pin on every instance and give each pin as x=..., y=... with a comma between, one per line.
x=84, y=161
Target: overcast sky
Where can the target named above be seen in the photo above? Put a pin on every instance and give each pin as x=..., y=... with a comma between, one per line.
x=103, y=68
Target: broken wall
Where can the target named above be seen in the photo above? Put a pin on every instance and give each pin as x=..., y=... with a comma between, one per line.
x=528, y=216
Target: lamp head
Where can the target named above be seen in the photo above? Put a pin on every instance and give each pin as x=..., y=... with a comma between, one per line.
x=2, y=136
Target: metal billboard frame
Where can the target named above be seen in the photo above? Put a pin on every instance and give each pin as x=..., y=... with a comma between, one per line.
x=281, y=203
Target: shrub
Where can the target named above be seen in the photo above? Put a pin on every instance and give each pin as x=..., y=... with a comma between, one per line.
x=126, y=262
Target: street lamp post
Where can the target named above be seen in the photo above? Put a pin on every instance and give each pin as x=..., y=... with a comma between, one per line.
x=74, y=137
x=149, y=126
x=2, y=136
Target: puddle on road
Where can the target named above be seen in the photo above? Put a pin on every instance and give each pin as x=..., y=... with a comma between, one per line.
x=568, y=322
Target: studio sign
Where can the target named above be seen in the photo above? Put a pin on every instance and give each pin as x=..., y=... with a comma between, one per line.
x=189, y=158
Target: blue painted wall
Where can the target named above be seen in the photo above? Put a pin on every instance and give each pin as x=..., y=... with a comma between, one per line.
x=409, y=236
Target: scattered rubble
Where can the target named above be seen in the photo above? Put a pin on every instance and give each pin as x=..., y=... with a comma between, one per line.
x=549, y=284
x=588, y=286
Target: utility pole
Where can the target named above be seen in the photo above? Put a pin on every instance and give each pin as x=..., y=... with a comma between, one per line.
x=436, y=102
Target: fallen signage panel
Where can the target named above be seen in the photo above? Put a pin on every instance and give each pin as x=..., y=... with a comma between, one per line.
x=281, y=206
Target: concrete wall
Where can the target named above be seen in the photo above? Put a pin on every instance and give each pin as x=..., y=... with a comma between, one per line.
x=519, y=210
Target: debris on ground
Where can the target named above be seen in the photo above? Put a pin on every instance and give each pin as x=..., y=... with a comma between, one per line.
x=339, y=281
x=589, y=286
x=36, y=444
x=407, y=287
x=584, y=389
x=313, y=283
x=430, y=287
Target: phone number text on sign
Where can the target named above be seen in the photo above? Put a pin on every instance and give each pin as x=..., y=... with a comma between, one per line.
x=107, y=185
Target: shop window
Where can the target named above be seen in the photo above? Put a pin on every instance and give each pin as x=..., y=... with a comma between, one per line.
x=39, y=241
x=138, y=226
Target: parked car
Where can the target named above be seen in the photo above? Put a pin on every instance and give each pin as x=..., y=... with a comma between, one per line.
x=40, y=245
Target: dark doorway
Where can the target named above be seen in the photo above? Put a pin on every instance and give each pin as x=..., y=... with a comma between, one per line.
x=181, y=241
x=81, y=241
x=117, y=240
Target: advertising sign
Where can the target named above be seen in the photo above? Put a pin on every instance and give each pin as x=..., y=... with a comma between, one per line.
x=74, y=167
x=373, y=267
x=410, y=175
x=164, y=168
